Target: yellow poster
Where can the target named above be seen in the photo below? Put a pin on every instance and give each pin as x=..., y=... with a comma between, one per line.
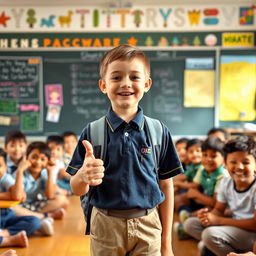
x=199, y=88
x=238, y=39
x=237, y=88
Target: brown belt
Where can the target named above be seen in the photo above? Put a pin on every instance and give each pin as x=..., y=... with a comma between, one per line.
x=126, y=214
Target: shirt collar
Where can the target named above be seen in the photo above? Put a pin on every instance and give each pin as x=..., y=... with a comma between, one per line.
x=216, y=173
x=9, y=162
x=114, y=121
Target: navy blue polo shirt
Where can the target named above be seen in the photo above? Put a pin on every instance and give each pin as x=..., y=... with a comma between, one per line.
x=129, y=179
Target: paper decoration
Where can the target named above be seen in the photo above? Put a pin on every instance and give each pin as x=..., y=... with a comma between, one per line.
x=66, y=20
x=30, y=122
x=31, y=20
x=199, y=88
x=53, y=94
x=53, y=114
x=237, y=88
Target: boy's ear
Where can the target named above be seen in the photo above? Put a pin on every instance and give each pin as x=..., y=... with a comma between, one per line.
x=148, y=84
x=102, y=86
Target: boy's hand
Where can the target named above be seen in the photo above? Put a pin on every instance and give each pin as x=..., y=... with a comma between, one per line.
x=92, y=171
x=24, y=164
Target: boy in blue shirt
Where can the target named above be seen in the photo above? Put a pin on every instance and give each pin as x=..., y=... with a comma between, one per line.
x=132, y=211
x=15, y=145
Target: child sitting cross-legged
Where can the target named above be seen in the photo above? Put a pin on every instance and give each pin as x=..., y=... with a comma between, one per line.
x=15, y=229
x=222, y=234
x=40, y=185
x=205, y=183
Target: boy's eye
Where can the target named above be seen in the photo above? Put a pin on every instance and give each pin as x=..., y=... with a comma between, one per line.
x=115, y=78
x=135, y=77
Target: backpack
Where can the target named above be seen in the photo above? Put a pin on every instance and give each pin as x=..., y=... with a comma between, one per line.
x=97, y=135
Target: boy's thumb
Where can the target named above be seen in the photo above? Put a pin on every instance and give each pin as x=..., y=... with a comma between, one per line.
x=89, y=149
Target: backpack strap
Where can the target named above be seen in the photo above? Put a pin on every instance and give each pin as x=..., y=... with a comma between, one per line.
x=155, y=133
x=97, y=135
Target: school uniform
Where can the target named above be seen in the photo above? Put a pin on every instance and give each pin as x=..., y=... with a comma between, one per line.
x=35, y=190
x=11, y=167
x=14, y=224
x=130, y=184
x=191, y=171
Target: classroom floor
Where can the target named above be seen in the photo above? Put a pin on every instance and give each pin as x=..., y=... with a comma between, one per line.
x=69, y=238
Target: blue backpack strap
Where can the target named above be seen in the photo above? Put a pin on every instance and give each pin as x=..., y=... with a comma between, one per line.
x=155, y=129
x=97, y=136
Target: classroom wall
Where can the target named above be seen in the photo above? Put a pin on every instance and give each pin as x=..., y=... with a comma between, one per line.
x=191, y=41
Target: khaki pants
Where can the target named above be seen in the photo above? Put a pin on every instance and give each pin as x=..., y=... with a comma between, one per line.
x=112, y=236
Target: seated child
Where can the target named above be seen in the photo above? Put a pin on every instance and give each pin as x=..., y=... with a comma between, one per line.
x=40, y=186
x=220, y=133
x=183, y=181
x=70, y=142
x=15, y=147
x=56, y=145
x=205, y=183
x=14, y=229
x=181, y=145
x=222, y=234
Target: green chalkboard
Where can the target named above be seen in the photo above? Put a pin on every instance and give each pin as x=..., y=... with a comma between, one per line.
x=74, y=74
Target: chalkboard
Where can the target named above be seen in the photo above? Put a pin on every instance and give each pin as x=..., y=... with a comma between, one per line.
x=74, y=74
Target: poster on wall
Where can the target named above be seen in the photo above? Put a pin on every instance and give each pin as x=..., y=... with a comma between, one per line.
x=237, y=88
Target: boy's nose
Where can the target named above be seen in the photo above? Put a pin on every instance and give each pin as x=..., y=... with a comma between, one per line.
x=126, y=82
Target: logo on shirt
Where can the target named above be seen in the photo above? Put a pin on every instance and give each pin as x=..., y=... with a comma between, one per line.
x=146, y=150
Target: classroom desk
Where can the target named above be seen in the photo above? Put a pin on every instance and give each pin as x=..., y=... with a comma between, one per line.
x=8, y=203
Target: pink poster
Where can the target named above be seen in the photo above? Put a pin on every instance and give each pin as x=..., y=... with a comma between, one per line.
x=53, y=94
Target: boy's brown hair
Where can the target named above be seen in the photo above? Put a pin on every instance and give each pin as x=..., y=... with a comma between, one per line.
x=123, y=52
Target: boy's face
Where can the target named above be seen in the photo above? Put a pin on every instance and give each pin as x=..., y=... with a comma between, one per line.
x=241, y=167
x=212, y=160
x=38, y=161
x=56, y=150
x=2, y=166
x=194, y=154
x=125, y=83
x=16, y=149
x=70, y=143
x=182, y=152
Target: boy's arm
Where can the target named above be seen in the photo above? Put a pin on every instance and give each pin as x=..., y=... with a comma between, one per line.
x=90, y=174
x=51, y=187
x=6, y=195
x=166, y=216
x=201, y=198
x=17, y=189
x=216, y=218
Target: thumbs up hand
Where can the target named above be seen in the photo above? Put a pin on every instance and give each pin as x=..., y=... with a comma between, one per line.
x=92, y=170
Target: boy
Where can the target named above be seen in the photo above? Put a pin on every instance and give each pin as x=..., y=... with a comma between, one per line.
x=70, y=142
x=203, y=190
x=128, y=202
x=238, y=192
x=15, y=147
x=14, y=229
x=181, y=145
x=184, y=181
x=39, y=184
x=56, y=145
x=222, y=134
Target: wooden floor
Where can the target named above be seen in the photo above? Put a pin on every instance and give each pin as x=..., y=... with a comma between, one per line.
x=69, y=238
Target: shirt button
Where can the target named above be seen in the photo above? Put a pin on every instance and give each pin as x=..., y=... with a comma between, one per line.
x=126, y=134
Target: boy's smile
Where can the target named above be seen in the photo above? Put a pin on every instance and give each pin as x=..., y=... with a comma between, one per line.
x=38, y=161
x=241, y=167
x=125, y=83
